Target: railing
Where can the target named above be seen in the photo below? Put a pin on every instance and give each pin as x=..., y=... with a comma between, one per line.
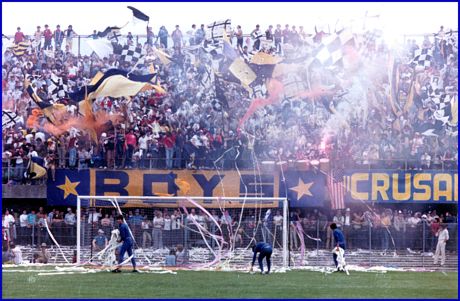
x=15, y=174
x=416, y=239
x=81, y=47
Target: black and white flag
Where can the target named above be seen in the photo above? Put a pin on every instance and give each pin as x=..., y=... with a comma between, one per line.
x=132, y=54
x=216, y=30
x=10, y=118
x=331, y=49
x=57, y=89
x=138, y=14
x=422, y=57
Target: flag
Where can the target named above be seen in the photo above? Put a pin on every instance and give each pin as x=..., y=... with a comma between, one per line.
x=262, y=58
x=138, y=14
x=216, y=31
x=46, y=106
x=132, y=54
x=336, y=188
x=422, y=57
x=163, y=57
x=57, y=88
x=35, y=169
x=107, y=31
x=68, y=185
x=330, y=50
x=207, y=77
x=101, y=47
x=114, y=83
x=113, y=36
x=220, y=95
x=234, y=68
x=20, y=48
x=303, y=188
x=10, y=118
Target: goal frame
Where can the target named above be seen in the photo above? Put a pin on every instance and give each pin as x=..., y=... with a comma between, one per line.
x=284, y=201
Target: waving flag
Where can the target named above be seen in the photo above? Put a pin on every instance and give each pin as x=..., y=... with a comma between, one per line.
x=114, y=83
x=57, y=88
x=132, y=54
x=138, y=14
x=422, y=57
x=330, y=51
x=217, y=30
x=10, y=118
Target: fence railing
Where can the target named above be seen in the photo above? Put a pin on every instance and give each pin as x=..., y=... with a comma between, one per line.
x=420, y=238
x=15, y=174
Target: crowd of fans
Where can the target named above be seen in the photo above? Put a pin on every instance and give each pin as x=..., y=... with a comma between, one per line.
x=186, y=129
x=155, y=228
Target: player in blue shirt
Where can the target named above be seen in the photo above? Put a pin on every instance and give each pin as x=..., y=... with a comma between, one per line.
x=339, y=239
x=265, y=251
x=127, y=246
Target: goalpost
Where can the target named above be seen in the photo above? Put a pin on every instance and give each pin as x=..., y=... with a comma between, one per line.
x=207, y=232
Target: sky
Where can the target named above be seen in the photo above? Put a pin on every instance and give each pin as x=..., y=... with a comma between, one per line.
x=395, y=19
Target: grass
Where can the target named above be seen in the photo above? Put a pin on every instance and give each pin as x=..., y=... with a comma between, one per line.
x=203, y=284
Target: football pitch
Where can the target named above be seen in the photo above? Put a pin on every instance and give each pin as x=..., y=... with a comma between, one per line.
x=25, y=282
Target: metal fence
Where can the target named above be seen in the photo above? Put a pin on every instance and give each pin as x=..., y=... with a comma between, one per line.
x=409, y=238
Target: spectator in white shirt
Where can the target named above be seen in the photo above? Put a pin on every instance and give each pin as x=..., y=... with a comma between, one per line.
x=17, y=253
x=23, y=227
x=158, y=224
x=443, y=237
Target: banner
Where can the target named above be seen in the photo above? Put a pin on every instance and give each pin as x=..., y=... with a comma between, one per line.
x=402, y=186
x=302, y=188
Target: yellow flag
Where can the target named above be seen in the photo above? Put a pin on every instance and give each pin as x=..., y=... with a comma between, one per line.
x=242, y=71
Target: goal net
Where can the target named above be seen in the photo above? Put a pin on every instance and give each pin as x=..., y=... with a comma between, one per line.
x=187, y=232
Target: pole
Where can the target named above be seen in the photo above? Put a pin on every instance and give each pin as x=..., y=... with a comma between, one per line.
x=423, y=243
x=78, y=228
x=370, y=245
x=317, y=242
x=92, y=233
x=79, y=37
x=285, y=233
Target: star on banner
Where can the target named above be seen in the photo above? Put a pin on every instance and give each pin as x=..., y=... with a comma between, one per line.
x=69, y=187
x=302, y=189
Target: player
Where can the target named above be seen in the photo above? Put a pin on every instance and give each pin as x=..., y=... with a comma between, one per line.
x=265, y=251
x=339, y=243
x=127, y=246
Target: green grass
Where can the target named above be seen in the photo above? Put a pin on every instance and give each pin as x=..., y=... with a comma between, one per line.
x=189, y=284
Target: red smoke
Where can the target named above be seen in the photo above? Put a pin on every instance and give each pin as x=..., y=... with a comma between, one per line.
x=274, y=89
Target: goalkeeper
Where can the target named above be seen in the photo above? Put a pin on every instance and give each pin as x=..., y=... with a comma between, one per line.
x=127, y=245
x=339, y=239
x=265, y=251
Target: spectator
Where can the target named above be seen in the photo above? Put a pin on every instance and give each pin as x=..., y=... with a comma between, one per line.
x=170, y=259
x=38, y=38
x=19, y=36
x=158, y=224
x=200, y=35
x=256, y=36
x=17, y=253
x=70, y=221
x=239, y=38
x=163, y=36
x=177, y=38
x=100, y=241
x=44, y=254
x=69, y=35
x=58, y=38
x=146, y=236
